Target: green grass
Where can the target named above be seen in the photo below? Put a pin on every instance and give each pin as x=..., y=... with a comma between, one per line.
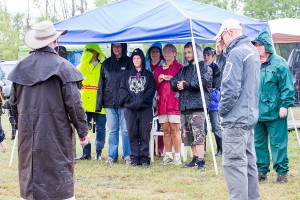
x=96, y=180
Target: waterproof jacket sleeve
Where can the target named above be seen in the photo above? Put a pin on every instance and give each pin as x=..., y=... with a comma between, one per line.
x=221, y=61
x=99, y=101
x=125, y=95
x=231, y=82
x=286, y=87
x=174, y=80
x=13, y=103
x=73, y=104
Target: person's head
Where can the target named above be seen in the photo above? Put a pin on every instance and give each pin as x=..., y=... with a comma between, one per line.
x=229, y=31
x=188, y=52
x=118, y=49
x=155, y=52
x=97, y=54
x=170, y=53
x=62, y=51
x=138, y=59
x=41, y=35
x=263, y=43
x=209, y=55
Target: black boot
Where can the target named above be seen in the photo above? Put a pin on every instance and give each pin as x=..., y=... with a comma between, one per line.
x=86, y=154
x=192, y=163
x=201, y=164
x=219, y=146
x=13, y=134
x=98, y=155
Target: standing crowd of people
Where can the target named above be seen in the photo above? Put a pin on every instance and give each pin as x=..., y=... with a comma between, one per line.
x=243, y=81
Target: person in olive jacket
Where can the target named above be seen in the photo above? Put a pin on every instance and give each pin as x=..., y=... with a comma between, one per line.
x=276, y=92
x=137, y=92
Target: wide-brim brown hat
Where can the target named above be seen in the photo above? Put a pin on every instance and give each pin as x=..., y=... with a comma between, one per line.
x=42, y=34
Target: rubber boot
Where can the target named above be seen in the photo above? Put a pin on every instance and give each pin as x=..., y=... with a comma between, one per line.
x=219, y=146
x=13, y=134
x=86, y=154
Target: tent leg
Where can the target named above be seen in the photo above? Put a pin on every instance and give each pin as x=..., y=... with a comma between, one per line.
x=294, y=122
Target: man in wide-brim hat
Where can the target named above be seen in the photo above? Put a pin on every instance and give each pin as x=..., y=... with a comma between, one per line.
x=45, y=99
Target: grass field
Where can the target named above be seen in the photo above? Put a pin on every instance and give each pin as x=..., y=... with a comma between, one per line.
x=96, y=180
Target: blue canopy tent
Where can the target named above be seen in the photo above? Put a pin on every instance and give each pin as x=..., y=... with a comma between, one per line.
x=136, y=21
x=144, y=21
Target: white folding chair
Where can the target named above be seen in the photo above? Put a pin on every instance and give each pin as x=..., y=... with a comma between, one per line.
x=154, y=138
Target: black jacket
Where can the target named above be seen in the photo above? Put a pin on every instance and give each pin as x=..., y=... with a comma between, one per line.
x=137, y=94
x=110, y=78
x=190, y=97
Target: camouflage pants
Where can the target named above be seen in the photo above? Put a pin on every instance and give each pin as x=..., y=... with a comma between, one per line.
x=193, y=132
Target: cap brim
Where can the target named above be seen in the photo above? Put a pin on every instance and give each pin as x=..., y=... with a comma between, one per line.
x=256, y=41
x=35, y=43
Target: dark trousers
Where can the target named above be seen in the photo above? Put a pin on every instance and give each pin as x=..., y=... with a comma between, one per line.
x=139, y=124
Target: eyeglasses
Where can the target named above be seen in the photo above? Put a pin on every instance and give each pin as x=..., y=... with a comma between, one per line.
x=116, y=46
x=223, y=33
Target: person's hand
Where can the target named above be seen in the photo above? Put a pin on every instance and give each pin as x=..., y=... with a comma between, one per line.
x=180, y=85
x=282, y=112
x=85, y=140
x=219, y=45
x=3, y=146
x=1, y=83
x=161, y=78
x=168, y=77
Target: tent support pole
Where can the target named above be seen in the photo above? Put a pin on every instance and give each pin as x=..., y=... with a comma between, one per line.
x=207, y=121
x=295, y=126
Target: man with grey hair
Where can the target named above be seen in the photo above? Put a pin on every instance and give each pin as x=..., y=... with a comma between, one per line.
x=239, y=108
x=45, y=100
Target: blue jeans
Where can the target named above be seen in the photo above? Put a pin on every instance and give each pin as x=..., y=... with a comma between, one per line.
x=116, y=121
x=100, y=120
x=215, y=123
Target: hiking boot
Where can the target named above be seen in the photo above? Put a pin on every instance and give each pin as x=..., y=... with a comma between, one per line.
x=98, y=155
x=262, y=177
x=166, y=160
x=281, y=178
x=110, y=161
x=192, y=163
x=219, y=152
x=201, y=164
x=176, y=160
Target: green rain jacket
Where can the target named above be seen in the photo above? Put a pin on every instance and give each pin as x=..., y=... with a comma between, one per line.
x=276, y=88
x=91, y=77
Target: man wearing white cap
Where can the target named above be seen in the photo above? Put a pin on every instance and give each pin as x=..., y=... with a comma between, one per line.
x=239, y=109
x=45, y=99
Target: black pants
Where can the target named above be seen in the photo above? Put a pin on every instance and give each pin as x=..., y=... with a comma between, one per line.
x=139, y=124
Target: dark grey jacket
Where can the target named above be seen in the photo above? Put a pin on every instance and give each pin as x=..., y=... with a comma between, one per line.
x=240, y=83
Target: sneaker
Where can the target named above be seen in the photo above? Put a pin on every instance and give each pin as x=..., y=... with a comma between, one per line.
x=192, y=163
x=133, y=164
x=176, y=160
x=201, y=164
x=145, y=165
x=110, y=161
x=262, y=177
x=281, y=178
x=127, y=161
x=166, y=160
x=219, y=152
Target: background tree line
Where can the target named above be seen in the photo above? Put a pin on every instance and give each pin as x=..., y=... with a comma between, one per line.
x=13, y=26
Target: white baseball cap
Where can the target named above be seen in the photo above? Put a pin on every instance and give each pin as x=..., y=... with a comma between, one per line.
x=229, y=24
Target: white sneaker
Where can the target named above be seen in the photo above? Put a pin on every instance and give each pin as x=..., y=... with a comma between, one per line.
x=176, y=160
x=166, y=160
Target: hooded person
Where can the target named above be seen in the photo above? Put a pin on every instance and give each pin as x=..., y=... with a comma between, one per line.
x=137, y=91
x=90, y=67
x=191, y=105
x=62, y=51
x=45, y=100
x=108, y=97
x=276, y=92
x=154, y=57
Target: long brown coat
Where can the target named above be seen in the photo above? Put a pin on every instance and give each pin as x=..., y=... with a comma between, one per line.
x=45, y=99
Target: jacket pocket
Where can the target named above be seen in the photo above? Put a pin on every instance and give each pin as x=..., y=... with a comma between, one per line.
x=268, y=104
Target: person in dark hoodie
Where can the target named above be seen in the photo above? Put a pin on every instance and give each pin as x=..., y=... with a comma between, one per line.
x=108, y=97
x=137, y=92
x=45, y=100
x=276, y=93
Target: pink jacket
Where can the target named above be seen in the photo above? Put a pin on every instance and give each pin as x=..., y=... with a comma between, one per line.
x=167, y=101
